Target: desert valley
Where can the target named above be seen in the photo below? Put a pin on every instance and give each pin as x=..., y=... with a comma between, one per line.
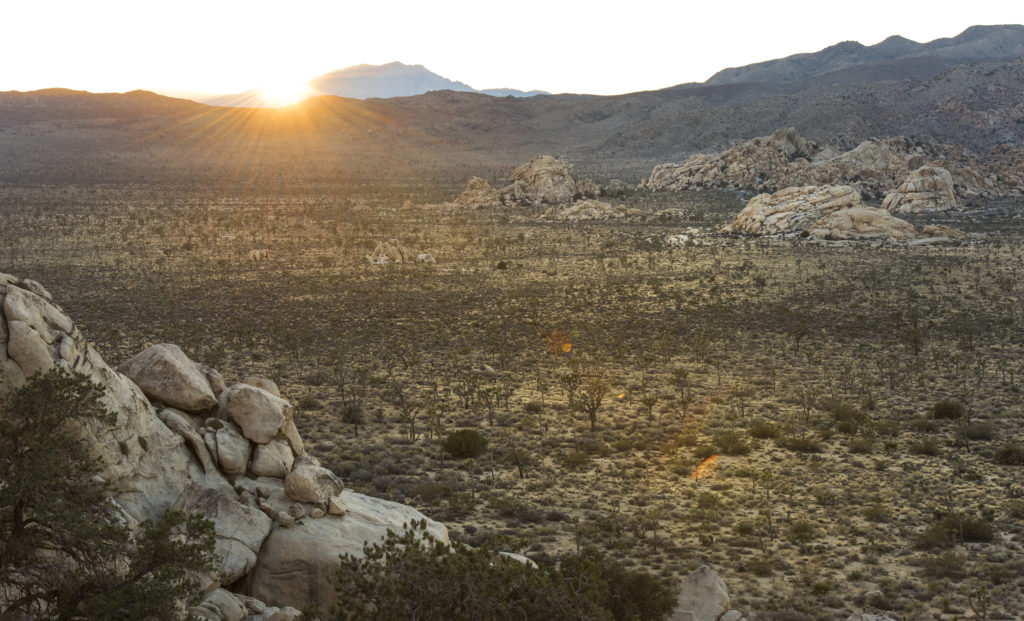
x=759, y=339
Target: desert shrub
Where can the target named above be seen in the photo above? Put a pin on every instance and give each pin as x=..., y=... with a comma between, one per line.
x=704, y=451
x=430, y=492
x=848, y=418
x=877, y=513
x=1010, y=454
x=802, y=532
x=924, y=425
x=950, y=564
x=465, y=443
x=763, y=430
x=1015, y=508
x=862, y=446
x=515, y=509
x=575, y=459
x=730, y=443
x=951, y=529
x=979, y=431
x=924, y=446
x=948, y=409
x=309, y=402
x=888, y=428
x=800, y=444
x=414, y=576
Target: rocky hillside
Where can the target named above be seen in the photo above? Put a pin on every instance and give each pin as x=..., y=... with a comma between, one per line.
x=895, y=58
x=184, y=439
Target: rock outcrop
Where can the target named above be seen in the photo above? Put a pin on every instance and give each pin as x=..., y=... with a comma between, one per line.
x=389, y=251
x=927, y=189
x=822, y=212
x=875, y=167
x=479, y=194
x=589, y=209
x=546, y=180
x=281, y=519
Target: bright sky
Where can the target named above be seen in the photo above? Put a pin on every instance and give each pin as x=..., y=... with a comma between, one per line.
x=228, y=46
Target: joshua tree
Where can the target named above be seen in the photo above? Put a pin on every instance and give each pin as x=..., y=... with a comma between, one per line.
x=591, y=396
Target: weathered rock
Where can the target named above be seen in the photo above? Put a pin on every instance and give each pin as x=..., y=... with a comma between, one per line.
x=863, y=616
x=543, y=179
x=927, y=189
x=181, y=424
x=220, y=605
x=259, y=414
x=296, y=565
x=214, y=379
x=823, y=212
x=703, y=595
x=273, y=459
x=478, y=194
x=941, y=230
x=425, y=257
x=389, y=251
x=27, y=348
x=240, y=529
x=166, y=374
x=146, y=462
x=291, y=434
x=264, y=383
x=228, y=447
x=732, y=615
x=861, y=223
x=310, y=482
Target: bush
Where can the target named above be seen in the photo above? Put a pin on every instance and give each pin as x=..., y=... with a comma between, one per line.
x=979, y=431
x=763, y=431
x=801, y=444
x=802, y=532
x=414, y=576
x=1010, y=454
x=949, y=564
x=927, y=446
x=465, y=444
x=730, y=443
x=951, y=529
x=948, y=409
x=862, y=446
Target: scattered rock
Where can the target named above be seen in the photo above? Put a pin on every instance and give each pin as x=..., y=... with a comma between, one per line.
x=425, y=257
x=166, y=374
x=941, y=230
x=927, y=189
x=220, y=605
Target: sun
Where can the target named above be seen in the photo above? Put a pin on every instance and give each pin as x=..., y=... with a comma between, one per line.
x=284, y=91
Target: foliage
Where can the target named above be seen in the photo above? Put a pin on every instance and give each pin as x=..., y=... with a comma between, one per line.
x=953, y=528
x=414, y=576
x=64, y=549
x=1010, y=454
x=465, y=443
x=948, y=408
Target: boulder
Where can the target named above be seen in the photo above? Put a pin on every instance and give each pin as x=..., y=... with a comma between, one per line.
x=296, y=564
x=214, y=379
x=941, y=230
x=228, y=446
x=478, y=194
x=166, y=374
x=28, y=349
x=273, y=459
x=310, y=482
x=389, y=251
x=703, y=596
x=264, y=383
x=220, y=605
x=181, y=424
x=259, y=414
x=927, y=189
x=240, y=530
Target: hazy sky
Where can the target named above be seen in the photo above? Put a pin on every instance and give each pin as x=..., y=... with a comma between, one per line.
x=227, y=46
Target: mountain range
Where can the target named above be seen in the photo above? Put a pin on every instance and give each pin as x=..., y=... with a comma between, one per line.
x=372, y=82
x=967, y=90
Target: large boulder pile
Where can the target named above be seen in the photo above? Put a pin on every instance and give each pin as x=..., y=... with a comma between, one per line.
x=927, y=189
x=184, y=440
x=703, y=596
x=822, y=212
x=875, y=167
x=546, y=180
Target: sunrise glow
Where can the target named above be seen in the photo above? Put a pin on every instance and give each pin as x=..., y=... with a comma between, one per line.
x=285, y=91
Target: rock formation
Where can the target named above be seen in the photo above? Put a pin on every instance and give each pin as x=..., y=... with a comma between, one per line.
x=281, y=519
x=927, y=189
x=389, y=251
x=875, y=167
x=478, y=194
x=822, y=212
x=589, y=209
x=546, y=180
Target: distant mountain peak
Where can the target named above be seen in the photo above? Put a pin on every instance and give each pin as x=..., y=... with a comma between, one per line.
x=396, y=79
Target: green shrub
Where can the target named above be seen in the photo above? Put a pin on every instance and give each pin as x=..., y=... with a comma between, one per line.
x=802, y=532
x=309, y=402
x=862, y=446
x=763, y=430
x=730, y=443
x=575, y=459
x=948, y=409
x=800, y=444
x=1010, y=454
x=980, y=431
x=877, y=513
x=951, y=529
x=949, y=564
x=926, y=446
x=465, y=443
x=704, y=451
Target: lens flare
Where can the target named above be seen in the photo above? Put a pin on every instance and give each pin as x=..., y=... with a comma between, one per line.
x=706, y=467
x=566, y=348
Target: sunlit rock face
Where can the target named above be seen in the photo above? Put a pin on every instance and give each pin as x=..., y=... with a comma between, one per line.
x=281, y=519
x=927, y=189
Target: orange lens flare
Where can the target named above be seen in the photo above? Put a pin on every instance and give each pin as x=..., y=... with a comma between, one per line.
x=566, y=348
x=706, y=467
